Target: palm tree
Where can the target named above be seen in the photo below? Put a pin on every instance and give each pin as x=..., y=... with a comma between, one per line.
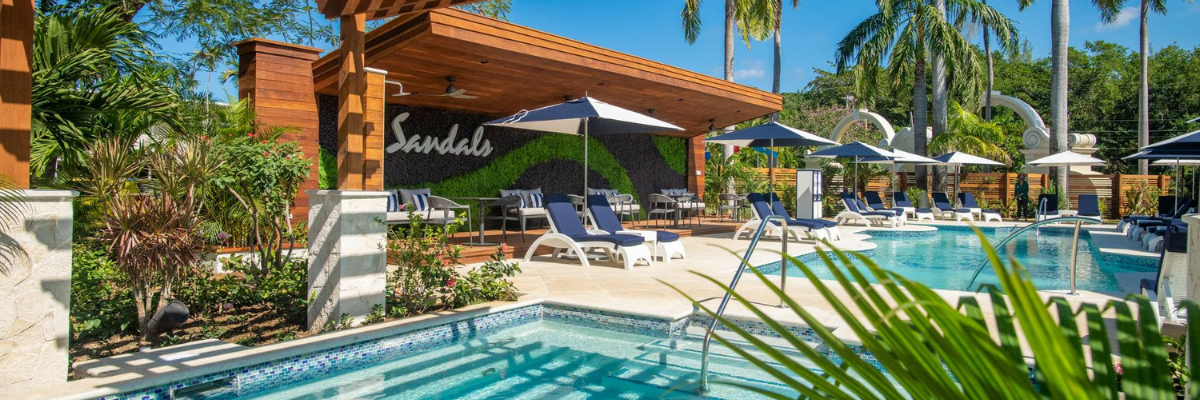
x=1108, y=13
x=778, y=67
x=909, y=32
x=1060, y=27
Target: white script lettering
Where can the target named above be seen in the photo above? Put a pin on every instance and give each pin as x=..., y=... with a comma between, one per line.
x=475, y=146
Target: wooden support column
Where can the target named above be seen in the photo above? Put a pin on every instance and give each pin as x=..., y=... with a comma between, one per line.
x=1118, y=192
x=278, y=79
x=695, y=165
x=16, y=83
x=352, y=88
x=373, y=127
x=1006, y=187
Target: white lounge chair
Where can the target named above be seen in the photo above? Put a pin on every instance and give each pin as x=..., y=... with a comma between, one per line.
x=942, y=206
x=605, y=221
x=796, y=229
x=567, y=234
x=1169, y=289
x=853, y=212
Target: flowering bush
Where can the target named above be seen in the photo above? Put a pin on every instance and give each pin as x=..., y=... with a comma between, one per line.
x=427, y=276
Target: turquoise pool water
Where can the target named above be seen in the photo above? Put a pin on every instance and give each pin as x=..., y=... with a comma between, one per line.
x=543, y=360
x=948, y=258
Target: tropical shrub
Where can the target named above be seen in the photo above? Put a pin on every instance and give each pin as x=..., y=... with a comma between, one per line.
x=101, y=303
x=934, y=350
x=425, y=279
x=1143, y=199
x=252, y=195
x=488, y=282
x=917, y=196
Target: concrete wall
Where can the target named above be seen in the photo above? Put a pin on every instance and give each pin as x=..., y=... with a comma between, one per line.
x=35, y=291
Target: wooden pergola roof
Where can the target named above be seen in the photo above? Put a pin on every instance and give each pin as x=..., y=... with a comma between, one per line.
x=375, y=9
x=511, y=67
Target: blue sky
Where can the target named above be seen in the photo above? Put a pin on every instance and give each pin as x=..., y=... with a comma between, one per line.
x=652, y=29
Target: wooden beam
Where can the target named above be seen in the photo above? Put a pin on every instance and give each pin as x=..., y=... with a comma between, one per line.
x=373, y=127
x=16, y=75
x=377, y=9
x=352, y=86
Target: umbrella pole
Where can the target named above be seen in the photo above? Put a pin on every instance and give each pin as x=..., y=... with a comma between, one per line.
x=771, y=174
x=585, y=157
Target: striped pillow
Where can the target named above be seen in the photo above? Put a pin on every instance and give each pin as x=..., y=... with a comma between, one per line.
x=393, y=202
x=535, y=200
x=421, y=201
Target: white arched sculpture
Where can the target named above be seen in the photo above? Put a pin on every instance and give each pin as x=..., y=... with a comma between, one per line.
x=864, y=115
x=1036, y=134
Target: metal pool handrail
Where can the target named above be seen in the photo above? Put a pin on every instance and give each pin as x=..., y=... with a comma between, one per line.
x=733, y=284
x=1074, y=244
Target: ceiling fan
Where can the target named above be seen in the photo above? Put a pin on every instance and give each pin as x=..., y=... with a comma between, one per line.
x=451, y=91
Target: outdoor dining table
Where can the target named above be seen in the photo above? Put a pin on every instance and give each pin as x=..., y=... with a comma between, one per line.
x=479, y=208
x=682, y=198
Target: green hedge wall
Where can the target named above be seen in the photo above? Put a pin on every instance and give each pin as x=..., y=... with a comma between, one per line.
x=674, y=150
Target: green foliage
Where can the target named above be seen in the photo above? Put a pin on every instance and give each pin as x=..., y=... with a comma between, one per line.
x=673, y=150
x=101, y=302
x=970, y=134
x=428, y=278
x=934, y=350
x=1143, y=199
x=327, y=174
x=506, y=169
x=488, y=282
x=917, y=196
x=497, y=9
x=93, y=78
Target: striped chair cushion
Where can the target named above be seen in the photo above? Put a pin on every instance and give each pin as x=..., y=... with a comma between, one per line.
x=421, y=202
x=535, y=201
x=393, y=201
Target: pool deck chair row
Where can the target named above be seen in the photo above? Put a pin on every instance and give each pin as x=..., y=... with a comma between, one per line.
x=943, y=206
x=900, y=199
x=967, y=200
x=856, y=210
x=568, y=236
x=763, y=207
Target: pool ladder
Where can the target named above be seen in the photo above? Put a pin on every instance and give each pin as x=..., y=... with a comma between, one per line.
x=1074, y=244
x=704, y=387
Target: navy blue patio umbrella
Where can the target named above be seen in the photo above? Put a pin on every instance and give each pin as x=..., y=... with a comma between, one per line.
x=584, y=116
x=769, y=135
x=1170, y=154
x=858, y=151
x=1187, y=141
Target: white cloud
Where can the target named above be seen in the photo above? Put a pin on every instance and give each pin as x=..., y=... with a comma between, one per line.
x=1124, y=17
x=750, y=70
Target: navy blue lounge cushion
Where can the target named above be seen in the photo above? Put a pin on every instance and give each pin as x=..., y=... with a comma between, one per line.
x=990, y=211
x=664, y=236
x=616, y=239
x=924, y=210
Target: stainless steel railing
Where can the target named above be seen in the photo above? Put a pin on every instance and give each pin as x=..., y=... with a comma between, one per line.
x=1074, y=244
x=733, y=284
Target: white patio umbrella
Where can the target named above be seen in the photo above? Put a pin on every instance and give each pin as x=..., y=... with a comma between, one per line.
x=903, y=157
x=584, y=116
x=959, y=159
x=1066, y=159
x=857, y=151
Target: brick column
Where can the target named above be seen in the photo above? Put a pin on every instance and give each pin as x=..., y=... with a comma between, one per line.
x=278, y=78
x=695, y=165
x=16, y=80
x=374, y=107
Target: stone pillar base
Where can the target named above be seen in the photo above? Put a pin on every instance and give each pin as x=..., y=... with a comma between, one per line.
x=347, y=255
x=35, y=290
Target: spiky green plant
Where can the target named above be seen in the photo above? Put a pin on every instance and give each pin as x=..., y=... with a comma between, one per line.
x=934, y=350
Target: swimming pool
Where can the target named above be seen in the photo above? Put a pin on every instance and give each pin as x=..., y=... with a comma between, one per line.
x=523, y=351
x=948, y=257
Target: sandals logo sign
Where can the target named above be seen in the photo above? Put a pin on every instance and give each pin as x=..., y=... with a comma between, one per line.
x=475, y=146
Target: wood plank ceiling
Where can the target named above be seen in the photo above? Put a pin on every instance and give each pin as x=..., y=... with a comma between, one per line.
x=376, y=9
x=511, y=68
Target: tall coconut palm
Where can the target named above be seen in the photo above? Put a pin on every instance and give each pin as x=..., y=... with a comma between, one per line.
x=778, y=66
x=907, y=33
x=1060, y=27
x=1108, y=13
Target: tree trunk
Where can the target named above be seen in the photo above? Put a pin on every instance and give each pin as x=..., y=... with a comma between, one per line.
x=940, y=106
x=987, y=50
x=920, y=111
x=730, y=25
x=778, y=53
x=1060, y=25
x=1144, y=89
